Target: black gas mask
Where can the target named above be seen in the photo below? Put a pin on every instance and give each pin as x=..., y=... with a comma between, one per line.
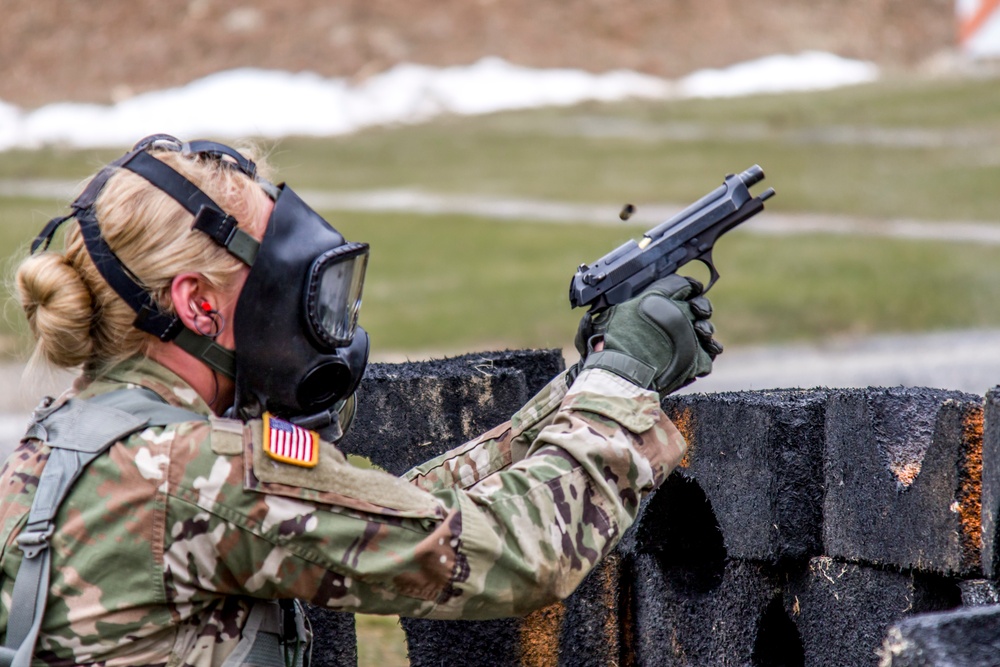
x=299, y=351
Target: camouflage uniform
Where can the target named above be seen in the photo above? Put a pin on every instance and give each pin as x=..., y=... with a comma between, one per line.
x=166, y=538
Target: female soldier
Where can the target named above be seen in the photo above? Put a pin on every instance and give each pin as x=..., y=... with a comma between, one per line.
x=170, y=507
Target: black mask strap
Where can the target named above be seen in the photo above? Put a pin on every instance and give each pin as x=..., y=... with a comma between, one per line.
x=149, y=317
x=209, y=217
x=45, y=237
x=220, y=152
x=84, y=201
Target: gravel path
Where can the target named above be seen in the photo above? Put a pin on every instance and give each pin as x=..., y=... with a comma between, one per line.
x=963, y=360
x=535, y=210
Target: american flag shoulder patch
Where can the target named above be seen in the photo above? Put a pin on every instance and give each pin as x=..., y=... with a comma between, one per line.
x=288, y=443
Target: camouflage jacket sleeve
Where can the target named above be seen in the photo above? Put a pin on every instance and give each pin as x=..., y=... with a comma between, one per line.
x=533, y=530
x=496, y=449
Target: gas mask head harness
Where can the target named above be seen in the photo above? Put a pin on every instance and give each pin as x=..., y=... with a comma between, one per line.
x=299, y=351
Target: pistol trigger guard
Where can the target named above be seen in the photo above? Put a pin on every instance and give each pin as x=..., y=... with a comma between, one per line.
x=713, y=274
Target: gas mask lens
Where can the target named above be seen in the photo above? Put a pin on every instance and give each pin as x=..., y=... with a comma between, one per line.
x=334, y=295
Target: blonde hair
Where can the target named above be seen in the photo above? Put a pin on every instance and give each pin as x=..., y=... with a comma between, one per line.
x=76, y=317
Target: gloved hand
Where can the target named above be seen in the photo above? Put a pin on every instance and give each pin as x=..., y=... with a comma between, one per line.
x=591, y=328
x=660, y=340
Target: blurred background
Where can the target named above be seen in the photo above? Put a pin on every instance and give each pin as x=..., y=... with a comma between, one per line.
x=485, y=147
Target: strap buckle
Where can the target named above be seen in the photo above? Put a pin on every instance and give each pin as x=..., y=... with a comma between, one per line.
x=34, y=542
x=293, y=622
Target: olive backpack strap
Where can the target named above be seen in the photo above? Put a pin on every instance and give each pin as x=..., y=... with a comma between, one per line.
x=77, y=431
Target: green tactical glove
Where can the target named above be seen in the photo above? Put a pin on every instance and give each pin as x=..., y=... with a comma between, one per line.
x=660, y=340
x=590, y=329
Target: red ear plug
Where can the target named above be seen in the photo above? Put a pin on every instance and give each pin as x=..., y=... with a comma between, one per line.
x=218, y=322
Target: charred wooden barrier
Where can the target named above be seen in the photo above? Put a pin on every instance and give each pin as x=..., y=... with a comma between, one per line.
x=804, y=527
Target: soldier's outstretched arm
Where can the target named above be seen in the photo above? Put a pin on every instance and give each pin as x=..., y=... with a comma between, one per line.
x=363, y=540
x=534, y=530
x=496, y=449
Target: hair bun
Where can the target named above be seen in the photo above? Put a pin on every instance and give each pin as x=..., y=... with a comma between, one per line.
x=59, y=308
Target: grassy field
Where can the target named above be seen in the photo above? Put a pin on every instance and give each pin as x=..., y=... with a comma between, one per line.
x=927, y=150
x=381, y=641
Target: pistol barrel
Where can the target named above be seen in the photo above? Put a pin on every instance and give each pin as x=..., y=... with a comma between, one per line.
x=752, y=175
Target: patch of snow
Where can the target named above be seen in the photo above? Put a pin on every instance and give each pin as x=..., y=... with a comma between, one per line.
x=265, y=103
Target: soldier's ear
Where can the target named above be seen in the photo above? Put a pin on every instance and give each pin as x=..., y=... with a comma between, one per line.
x=188, y=294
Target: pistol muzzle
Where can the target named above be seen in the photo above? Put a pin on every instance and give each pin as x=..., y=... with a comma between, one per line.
x=752, y=175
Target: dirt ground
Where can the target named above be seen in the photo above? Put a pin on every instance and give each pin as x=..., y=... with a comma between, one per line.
x=93, y=50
